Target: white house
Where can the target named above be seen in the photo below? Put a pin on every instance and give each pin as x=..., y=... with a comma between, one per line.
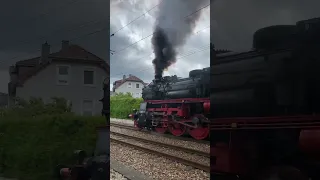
x=131, y=84
x=72, y=73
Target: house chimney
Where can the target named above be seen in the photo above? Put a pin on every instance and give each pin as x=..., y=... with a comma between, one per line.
x=13, y=73
x=65, y=45
x=124, y=77
x=45, y=51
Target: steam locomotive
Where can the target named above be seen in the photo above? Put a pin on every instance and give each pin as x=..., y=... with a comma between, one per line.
x=178, y=105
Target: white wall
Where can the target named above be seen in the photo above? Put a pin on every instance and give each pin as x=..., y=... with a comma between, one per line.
x=136, y=92
x=44, y=85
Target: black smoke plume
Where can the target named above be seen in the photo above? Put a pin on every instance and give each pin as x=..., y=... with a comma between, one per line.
x=175, y=22
x=165, y=54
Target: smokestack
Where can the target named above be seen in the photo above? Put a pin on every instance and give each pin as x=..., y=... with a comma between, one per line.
x=65, y=45
x=45, y=51
x=175, y=22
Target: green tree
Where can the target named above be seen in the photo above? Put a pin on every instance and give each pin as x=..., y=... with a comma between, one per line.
x=121, y=105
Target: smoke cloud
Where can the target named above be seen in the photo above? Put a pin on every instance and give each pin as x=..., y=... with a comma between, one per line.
x=175, y=23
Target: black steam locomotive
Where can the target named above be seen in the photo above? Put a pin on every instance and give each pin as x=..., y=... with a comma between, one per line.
x=278, y=77
x=178, y=105
x=197, y=85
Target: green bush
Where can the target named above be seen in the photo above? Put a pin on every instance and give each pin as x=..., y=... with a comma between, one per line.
x=121, y=105
x=35, y=137
x=36, y=107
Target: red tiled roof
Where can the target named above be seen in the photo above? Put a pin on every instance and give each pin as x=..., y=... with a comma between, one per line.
x=29, y=62
x=118, y=83
x=73, y=53
x=76, y=52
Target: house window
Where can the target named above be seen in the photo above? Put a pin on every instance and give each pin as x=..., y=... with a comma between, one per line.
x=137, y=86
x=63, y=75
x=88, y=77
x=129, y=85
x=87, y=108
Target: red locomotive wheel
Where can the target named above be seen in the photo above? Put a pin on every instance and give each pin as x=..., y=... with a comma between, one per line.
x=135, y=124
x=199, y=133
x=177, y=129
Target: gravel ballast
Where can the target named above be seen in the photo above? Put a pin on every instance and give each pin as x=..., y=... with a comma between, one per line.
x=155, y=167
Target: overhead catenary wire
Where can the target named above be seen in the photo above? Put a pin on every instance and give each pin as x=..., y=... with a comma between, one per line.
x=142, y=58
x=135, y=19
x=177, y=58
x=181, y=57
x=75, y=38
x=130, y=45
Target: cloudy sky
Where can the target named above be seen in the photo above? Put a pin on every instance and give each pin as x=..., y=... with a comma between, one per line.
x=234, y=21
x=28, y=24
x=136, y=58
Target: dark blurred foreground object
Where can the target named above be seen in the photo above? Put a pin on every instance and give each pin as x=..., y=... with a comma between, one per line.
x=96, y=167
x=106, y=100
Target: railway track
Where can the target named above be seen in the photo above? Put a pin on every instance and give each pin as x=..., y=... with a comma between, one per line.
x=164, y=135
x=178, y=148
x=124, y=141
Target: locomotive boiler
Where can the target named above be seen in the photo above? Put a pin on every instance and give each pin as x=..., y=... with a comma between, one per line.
x=197, y=85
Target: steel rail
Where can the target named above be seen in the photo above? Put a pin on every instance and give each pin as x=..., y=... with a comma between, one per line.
x=179, y=148
x=163, y=135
